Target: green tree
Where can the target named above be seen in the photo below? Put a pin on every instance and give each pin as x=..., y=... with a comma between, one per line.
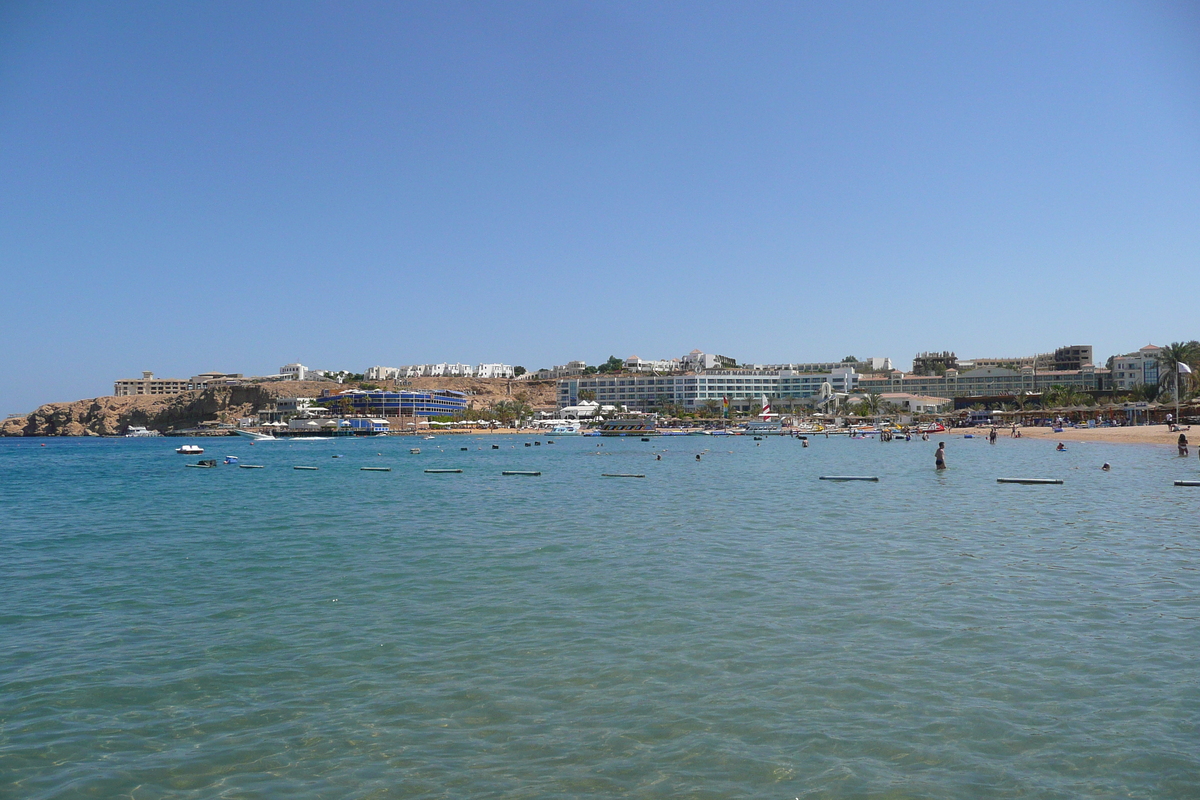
x=849, y=360
x=589, y=370
x=613, y=364
x=1145, y=392
x=519, y=371
x=587, y=394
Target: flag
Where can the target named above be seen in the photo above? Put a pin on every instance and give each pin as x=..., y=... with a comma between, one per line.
x=725, y=406
x=1184, y=369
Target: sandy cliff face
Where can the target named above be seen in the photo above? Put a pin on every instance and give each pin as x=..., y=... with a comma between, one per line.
x=112, y=416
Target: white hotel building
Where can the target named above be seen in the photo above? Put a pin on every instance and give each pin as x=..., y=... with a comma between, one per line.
x=744, y=387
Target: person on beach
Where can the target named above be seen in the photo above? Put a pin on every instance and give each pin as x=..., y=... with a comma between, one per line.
x=1183, y=445
x=939, y=458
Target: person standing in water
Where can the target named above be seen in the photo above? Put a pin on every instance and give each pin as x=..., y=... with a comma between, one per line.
x=939, y=458
x=1183, y=445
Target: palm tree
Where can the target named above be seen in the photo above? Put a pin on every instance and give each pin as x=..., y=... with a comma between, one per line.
x=1175, y=359
x=1147, y=392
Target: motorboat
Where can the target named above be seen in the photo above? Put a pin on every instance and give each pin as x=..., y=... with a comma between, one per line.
x=138, y=431
x=258, y=437
x=565, y=430
x=189, y=450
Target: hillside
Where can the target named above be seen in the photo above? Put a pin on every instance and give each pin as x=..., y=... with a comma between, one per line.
x=112, y=416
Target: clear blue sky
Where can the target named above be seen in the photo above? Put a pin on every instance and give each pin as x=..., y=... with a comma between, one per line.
x=231, y=186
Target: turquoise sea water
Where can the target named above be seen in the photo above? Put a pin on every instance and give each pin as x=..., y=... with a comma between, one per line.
x=725, y=628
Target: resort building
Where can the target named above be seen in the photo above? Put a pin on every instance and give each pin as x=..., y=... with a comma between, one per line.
x=564, y=371
x=435, y=403
x=1074, y=356
x=494, y=371
x=825, y=366
x=439, y=371
x=696, y=361
x=1132, y=369
x=294, y=372
x=207, y=379
x=148, y=384
x=636, y=364
x=917, y=404
x=986, y=382
x=744, y=388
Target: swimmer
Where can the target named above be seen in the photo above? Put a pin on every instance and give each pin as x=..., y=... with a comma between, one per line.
x=658, y=458
x=1061, y=447
x=939, y=458
x=697, y=456
x=1106, y=467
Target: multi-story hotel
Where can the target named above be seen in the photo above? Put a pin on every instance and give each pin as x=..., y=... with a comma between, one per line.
x=987, y=381
x=434, y=403
x=148, y=384
x=743, y=387
x=1132, y=369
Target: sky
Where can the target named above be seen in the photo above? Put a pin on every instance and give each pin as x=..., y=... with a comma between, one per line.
x=188, y=187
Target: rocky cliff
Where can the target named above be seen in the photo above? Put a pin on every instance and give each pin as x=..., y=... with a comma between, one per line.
x=112, y=416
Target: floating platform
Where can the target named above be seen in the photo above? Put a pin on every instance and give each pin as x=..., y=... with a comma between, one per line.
x=305, y=467
x=416, y=451
x=1029, y=481
x=620, y=475
x=250, y=466
x=1187, y=483
x=872, y=478
x=374, y=469
x=519, y=472
x=442, y=471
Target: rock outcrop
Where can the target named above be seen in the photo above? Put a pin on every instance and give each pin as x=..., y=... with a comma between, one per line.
x=113, y=416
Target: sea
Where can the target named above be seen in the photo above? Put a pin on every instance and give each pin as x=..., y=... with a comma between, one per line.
x=728, y=627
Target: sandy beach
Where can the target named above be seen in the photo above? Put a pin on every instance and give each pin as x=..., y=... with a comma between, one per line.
x=1135, y=434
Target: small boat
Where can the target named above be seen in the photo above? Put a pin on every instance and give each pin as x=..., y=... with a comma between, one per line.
x=189, y=450
x=428, y=437
x=565, y=430
x=231, y=459
x=207, y=463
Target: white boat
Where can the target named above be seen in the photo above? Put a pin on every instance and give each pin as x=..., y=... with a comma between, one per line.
x=189, y=450
x=565, y=430
x=258, y=437
x=137, y=432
